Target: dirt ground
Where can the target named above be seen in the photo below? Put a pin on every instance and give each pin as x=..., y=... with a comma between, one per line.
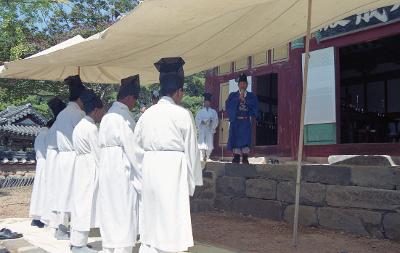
x=14, y=202
x=241, y=234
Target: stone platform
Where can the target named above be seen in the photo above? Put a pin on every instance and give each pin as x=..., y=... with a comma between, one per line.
x=363, y=200
x=38, y=240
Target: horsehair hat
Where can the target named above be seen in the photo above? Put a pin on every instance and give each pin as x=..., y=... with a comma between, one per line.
x=56, y=105
x=171, y=74
x=130, y=86
x=242, y=78
x=90, y=101
x=75, y=87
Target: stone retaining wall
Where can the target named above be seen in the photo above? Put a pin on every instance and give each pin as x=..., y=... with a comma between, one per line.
x=360, y=200
x=16, y=175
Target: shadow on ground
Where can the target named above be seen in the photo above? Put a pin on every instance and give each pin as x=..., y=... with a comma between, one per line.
x=4, y=193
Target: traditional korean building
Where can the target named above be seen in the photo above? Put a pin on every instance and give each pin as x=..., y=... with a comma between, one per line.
x=19, y=125
x=353, y=95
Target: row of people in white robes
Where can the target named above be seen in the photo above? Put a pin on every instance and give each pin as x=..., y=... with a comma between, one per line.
x=156, y=164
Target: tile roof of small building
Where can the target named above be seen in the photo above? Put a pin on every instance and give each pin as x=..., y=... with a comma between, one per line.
x=21, y=129
x=15, y=113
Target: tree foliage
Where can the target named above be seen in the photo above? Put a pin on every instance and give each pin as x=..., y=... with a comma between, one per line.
x=29, y=26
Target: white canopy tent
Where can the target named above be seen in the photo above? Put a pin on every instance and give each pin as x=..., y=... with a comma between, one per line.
x=48, y=69
x=70, y=42
x=205, y=33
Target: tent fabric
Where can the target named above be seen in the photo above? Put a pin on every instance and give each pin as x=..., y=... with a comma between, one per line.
x=204, y=33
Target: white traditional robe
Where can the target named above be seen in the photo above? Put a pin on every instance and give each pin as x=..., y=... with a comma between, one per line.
x=50, y=177
x=67, y=119
x=86, y=175
x=206, y=122
x=167, y=152
x=119, y=182
x=37, y=205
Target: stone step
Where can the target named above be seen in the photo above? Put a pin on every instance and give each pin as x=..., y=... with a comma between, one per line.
x=3, y=249
x=21, y=246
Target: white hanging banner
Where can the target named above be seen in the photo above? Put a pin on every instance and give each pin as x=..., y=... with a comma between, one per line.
x=321, y=98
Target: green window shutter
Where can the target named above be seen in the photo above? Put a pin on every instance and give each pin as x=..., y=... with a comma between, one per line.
x=320, y=134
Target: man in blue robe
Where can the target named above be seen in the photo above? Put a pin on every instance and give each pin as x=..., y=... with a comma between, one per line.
x=241, y=107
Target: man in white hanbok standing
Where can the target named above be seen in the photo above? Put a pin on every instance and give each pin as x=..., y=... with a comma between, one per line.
x=166, y=150
x=155, y=96
x=37, y=204
x=49, y=217
x=66, y=122
x=119, y=182
x=86, y=174
x=206, y=122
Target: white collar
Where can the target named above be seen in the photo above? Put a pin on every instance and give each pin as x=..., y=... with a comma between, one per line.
x=74, y=104
x=245, y=93
x=121, y=105
x=166, y=100
x=88, y=118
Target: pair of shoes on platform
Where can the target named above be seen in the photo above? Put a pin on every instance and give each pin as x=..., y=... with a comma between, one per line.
x=6, y=234
x=37, y=223
x=84, y=249
x=272, y=161
x=236, y=159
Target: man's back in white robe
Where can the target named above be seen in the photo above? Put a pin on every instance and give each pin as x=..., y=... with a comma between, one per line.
x=66, y=121
x=167, y=151
x=37, y=205
x=85, y=186
x=119, y=181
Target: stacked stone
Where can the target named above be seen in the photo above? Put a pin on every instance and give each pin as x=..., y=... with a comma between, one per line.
x=363, y=200
x=204, y=196
x=11, y=179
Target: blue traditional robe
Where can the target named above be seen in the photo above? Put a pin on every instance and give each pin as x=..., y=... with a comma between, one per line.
x=240, y=119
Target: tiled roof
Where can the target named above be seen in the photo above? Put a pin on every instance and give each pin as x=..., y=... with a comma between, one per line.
x=21, y=130
x=15, y=113
x=17, y=157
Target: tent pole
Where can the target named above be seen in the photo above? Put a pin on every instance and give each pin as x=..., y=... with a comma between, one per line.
x=222, y=132
x=79, y=70
x=301, y=135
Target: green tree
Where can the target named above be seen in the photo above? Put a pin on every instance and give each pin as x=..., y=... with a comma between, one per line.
x=28, y=27
x=194, y=85
x=194, y=90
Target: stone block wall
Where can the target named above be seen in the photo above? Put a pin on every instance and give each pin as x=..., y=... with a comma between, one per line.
x=16, y=175
x=361, y=200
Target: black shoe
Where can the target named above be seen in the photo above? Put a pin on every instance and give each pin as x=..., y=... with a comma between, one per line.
x=245, y=159
x=37, y=223
x=236, y=159
x=6, y=234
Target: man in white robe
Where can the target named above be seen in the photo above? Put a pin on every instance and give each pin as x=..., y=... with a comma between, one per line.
x=206, y=122
x=155, y=96
x=66, y=122
x=85, y=184
x=37, y=207
x=166, y=150
x=49, y=217
x=119, y=182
